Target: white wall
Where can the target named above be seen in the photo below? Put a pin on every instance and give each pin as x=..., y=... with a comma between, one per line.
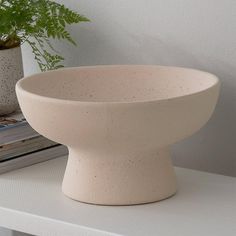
x=196, y=33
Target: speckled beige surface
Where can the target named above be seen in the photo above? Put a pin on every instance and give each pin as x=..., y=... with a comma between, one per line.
x=118, y=122
x=11, y=70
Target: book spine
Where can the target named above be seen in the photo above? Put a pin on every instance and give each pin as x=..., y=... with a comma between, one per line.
x=33, y=158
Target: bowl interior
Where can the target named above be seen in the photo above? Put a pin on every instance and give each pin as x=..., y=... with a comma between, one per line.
x=118, y=83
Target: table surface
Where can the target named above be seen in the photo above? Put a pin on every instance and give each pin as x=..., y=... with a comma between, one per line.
x=31, y=201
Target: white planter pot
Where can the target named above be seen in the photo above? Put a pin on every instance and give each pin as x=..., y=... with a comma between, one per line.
x=11, y=70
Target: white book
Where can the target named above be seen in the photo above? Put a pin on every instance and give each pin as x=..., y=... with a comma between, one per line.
x=33, y=158
x=24, y=146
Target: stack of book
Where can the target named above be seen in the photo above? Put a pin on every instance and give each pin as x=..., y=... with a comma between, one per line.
x=21, y=146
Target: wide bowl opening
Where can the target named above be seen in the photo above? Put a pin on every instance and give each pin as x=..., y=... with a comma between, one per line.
x=124, y=83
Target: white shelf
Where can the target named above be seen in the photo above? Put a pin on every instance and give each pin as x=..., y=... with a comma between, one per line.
x=31, y=201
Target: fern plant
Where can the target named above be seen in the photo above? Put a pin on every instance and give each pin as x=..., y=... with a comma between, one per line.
x=36, y=22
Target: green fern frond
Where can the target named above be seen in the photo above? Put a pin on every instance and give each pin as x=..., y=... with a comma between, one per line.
x=36, y=22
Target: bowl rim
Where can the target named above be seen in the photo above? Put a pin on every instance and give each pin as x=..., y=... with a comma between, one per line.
x=19, y=87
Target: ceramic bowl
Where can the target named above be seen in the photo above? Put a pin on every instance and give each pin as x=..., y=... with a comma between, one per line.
x=118, y=123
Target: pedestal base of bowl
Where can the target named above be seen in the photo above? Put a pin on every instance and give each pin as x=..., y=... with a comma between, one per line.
x=128, y=179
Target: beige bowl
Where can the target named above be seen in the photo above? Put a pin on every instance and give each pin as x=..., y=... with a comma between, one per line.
x=118, y=122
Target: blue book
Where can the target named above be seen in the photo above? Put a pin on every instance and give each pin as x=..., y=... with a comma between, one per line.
x=14, y=128
x=21, y=145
